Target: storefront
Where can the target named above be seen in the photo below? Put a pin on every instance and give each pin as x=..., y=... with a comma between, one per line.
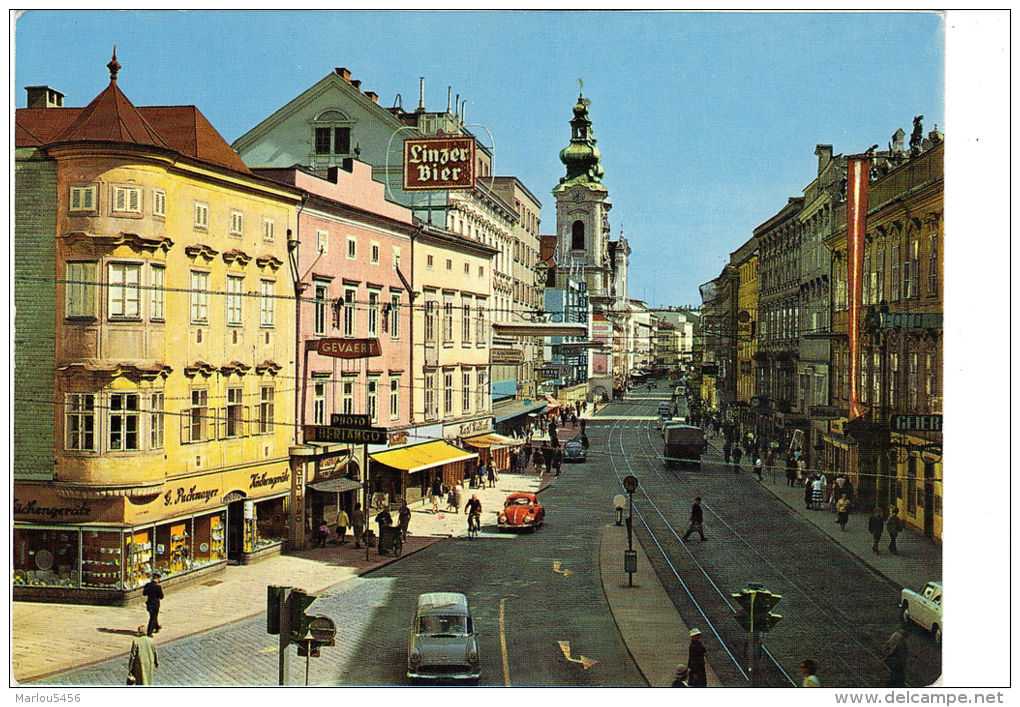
x=916, y=487
x=409, y=473
x=493, y=449
x=98, y=546
x=513, y=417
x=326, y=478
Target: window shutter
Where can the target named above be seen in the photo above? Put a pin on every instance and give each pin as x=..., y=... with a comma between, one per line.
x=90, y=274
x=76, y=195
x=133, y=196
x=185, y=419
x=222, y=424
x=118, y=195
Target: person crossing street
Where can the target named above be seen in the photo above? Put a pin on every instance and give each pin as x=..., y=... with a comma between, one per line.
x=697, y=520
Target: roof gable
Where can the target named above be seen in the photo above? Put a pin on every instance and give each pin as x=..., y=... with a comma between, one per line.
x=187, y=131
x=111, y=117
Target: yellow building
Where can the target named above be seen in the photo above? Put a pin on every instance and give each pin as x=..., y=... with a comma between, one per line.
x=745, y=259
x=172, y=406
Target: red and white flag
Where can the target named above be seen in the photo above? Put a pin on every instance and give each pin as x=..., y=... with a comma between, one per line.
x=857, y=171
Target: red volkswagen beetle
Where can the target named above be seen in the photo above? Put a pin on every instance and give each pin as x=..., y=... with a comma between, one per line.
x=521, y=510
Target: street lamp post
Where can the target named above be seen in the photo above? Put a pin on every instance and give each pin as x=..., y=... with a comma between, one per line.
x=630, y=557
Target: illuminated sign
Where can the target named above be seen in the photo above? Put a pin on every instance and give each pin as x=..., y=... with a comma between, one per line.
x=439, y=163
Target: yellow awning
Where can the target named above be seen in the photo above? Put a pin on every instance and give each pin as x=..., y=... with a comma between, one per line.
x=491, y=439
x=422, y=456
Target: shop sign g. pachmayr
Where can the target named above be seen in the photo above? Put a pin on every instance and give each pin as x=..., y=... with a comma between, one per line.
x=439, y=163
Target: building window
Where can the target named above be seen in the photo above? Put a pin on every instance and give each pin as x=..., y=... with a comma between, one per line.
x=157, y=292
x=83, y=199
x=396, y=258
x=480, y=323
x=481, y=272
x=577, y=235
x=467, y=268
x=429, y=262
x=201, y=216
x=319, y=403
x=159, y=203
x=466, y=392
x=80, y=422
x=373, y=312
x=352, y=248
x=268, y=229
x=267, y=303
x=156, y=420
x=430, y=394
x=322, y=241
x=483, y=390
x=879, y=293
x=232, y=415
x=373, y=399
x=194, y=425
x=235, y=295
x=876, y=379
x=394, y=317
x=322, y=141
x=912, y=382
x=267, y=410
x=80, y=290
x=465, y=321
x=124, y=294
x=236, y=223
x=449, y=265
x=894, y=372
x=869, y=280
x=321, y=300
x=894, y=269
x=349, y=295
x=394, y=397
x=127, y=200
x=347, y=397
x=374, y=254
x=933, y=265
x=448, y=323
x=448, y=393
x=430, y=321
x=199, y=297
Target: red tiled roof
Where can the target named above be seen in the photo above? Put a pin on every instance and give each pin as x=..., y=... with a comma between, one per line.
x=111, y=117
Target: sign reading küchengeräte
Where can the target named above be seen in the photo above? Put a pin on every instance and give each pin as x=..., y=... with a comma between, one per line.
x=347, y=348
x=439, y=163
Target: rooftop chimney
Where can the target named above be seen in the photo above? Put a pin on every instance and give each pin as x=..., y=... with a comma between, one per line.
x=44, y=97
x=421, y=94
x=897, y=140
x=373, y=95
x=356, y=83
x=343, y=73
x=824, y=153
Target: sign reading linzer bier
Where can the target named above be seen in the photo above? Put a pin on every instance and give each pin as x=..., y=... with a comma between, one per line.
x=348, y=348
x=439, y=163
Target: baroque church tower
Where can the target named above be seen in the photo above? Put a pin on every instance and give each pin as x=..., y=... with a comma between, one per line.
x=582, y=207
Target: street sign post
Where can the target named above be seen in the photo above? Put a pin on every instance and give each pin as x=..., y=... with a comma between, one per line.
x=630, y=556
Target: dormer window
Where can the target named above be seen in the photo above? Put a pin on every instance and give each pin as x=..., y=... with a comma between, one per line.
x=332, y=134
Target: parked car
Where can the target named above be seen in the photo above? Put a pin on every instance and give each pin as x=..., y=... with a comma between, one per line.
x=574, y=451
x=443, y=644
x=521, y=510
x=924, y=609
x=665, y=410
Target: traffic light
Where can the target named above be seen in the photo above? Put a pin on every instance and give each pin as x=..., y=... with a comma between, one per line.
x=757, y=603
x=299, y=601
x=273, y=608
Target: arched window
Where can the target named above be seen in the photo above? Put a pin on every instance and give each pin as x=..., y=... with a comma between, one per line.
x=332, y=133
x=577, y=236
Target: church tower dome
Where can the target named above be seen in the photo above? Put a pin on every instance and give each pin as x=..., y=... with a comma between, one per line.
x=581, y=157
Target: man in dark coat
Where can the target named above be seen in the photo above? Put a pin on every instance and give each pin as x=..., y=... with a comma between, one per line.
x=696, y=675
x=896, y=659
x=153, y=595
x=697, y=518
x=894, y=525
x=876, y=525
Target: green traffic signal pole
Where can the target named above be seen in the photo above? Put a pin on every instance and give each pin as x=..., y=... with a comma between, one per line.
x=284, y=662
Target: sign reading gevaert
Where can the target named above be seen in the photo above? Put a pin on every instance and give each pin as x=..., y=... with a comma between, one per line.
x=357, y=421
x=348, y=348
x=916, y=423
x=345, y=435
x=439, y=163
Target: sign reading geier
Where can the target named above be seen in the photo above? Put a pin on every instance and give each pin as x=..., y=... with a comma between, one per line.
x=345, y=435
x=915, y=423
x=439, y=163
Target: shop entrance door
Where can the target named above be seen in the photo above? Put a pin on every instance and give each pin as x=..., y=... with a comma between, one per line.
x=929, y=500
x=235, y=531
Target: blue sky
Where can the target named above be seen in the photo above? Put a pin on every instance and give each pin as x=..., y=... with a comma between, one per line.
x=707, y=122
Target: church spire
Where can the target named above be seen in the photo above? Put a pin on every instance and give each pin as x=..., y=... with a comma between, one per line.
x=581, y=157
x=114, y=65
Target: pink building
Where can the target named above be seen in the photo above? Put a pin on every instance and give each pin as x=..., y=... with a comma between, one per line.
x=353, y=262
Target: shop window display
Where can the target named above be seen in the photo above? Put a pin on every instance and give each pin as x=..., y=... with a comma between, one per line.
x=208, y=541
x=138, y=551
x=270, y=523
x=173, y=548
x=101, y=559
x=47, y=558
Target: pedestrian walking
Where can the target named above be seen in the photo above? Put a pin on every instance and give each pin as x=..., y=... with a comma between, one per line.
x=808, y=668
x=357, y=524
x=557, y=461
x=322, y=535
x=153, y=596
x=680, y=679
x=842, y=511
x=791, y=471
x=726, y=451
x=696, y=522
x=896, y=659
x=737, y=453
x=539, y=461
x=492, y=475
x=342, y=521
x=758, y=465
x=143, y=660
x=404, y=519
x=818, y=492
x=456, y=499
x=383, y=520
x=875, y=526
x=894, y=525
x=451, y=503
x=437, y=494
x=808, y=491
x=548, y=456
x=696, y=675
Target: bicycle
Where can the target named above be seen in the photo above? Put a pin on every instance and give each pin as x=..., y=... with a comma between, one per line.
x=474, y=524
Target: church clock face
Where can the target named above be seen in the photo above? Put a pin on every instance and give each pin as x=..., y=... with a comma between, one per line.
x=578, y=196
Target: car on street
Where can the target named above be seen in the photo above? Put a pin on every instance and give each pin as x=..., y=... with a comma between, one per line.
x=521, y=510
x=665, y=410
x=924, y=608
x=574, y=451
x=443, y=645
x=683, y=445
